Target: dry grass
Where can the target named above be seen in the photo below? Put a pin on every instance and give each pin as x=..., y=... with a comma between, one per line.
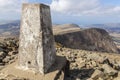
x=62, y=29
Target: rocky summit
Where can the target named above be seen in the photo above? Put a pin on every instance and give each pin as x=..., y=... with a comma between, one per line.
x=83, y=64
x=91, y=54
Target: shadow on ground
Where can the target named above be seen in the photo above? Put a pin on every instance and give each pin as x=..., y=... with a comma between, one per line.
x=79, y=74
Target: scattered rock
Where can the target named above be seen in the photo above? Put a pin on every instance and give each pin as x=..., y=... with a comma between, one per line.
x=96, y=74
x=12, y=53
x=101, y=64
x=100, y=78
x=96, y=57
x=6, y=59
x=2, y=54
x=84, y=65
x=108, y=69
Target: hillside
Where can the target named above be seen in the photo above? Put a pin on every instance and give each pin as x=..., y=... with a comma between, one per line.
x=116, y=37
x=9, y=29
x=111, y=27
x=93, y=39
x=65, y=28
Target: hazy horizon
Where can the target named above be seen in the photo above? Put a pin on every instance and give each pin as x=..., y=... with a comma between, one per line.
x=9, y=21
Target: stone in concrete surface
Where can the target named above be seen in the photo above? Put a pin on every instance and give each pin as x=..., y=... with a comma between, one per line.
x=56, y=72
x=36, y=46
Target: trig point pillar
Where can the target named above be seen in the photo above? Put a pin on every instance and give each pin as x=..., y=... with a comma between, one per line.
x=36, y=45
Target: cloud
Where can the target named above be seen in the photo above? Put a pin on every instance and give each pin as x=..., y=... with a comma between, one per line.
x=9, y=8
x=83, y=7
x=10, y=5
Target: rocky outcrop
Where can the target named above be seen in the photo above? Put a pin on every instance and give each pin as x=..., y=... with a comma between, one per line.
x=85, y=65
x=8, y=51
x=93, y=39
x=90, y=65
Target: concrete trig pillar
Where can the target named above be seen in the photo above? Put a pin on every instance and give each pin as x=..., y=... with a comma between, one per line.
x=36, y=45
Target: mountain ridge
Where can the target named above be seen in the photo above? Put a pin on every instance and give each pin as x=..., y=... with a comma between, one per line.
x=110, y=27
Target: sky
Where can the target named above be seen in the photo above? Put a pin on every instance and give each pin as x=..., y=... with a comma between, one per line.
x=80, y=12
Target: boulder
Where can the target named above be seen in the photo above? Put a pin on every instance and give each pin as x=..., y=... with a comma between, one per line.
x=108, y=69
x=96, y=74
x=1, y=54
